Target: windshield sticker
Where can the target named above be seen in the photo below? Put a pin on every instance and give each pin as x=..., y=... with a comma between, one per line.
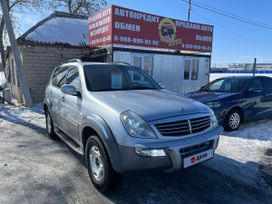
x=116, y=80
x=227, y=87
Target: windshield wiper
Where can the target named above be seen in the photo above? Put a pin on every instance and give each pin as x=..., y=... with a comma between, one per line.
x=142, y=88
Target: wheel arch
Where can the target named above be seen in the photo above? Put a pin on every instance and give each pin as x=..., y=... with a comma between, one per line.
x=95, y=125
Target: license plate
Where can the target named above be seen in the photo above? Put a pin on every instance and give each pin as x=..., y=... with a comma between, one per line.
x=197, y=158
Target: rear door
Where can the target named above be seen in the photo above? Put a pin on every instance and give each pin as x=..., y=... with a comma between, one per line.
x=256, y=106
x=267, y=98
x=71, y=106
x=58, y=80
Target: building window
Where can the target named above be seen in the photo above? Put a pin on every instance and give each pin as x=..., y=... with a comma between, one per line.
x=148, y=65
x=145, y=62
x=137, y=61
x=191, y=69
x=195, y=66
x=187, y=65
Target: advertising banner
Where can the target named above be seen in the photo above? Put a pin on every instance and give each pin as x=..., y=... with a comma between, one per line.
x=122, y=26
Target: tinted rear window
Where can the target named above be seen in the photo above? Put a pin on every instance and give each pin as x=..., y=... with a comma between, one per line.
x=267, y=84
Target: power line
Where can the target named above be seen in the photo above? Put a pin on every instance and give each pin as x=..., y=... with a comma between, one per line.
x=233, y=32
x=229, y=15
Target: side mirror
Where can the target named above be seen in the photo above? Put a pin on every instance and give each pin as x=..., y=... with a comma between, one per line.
x=69, y=89
x=254, y=90
x=201, y=88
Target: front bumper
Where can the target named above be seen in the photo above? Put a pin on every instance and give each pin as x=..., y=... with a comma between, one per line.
x=130, y=161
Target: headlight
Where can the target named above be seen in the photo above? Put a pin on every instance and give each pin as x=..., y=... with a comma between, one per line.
x=214, y=104
x=214, y=122
x=136, y=126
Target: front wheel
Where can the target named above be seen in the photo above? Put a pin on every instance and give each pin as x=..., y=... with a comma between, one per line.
x=102, y=175
x=50, y=126
x=233, y=120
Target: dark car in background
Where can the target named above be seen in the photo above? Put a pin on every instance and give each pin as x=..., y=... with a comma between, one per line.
x=237, y=99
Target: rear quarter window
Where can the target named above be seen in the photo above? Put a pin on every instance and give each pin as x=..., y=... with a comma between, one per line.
x=267, y=84
x=59, y=77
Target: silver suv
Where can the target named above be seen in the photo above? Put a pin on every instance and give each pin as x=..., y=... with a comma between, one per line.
x=121, y=120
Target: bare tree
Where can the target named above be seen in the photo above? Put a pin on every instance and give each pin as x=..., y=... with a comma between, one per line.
x=15, y=6
x=84, y=7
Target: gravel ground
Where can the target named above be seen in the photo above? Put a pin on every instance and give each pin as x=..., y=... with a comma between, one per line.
x=35, y=169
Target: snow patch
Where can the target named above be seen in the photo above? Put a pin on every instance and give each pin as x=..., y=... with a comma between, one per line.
x=72, y=31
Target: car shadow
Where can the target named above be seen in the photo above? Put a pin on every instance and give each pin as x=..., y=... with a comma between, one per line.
x=255, y=130
x=217, y=181
x=220, y=180
x=5, y=114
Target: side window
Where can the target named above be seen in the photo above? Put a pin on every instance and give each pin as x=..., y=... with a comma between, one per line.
x=187, y=65
x=59, y=79
x=195, y=67
x=256, y=84
x=267, y=84
x=73, y=78
x=216, y=85
x=54, y=73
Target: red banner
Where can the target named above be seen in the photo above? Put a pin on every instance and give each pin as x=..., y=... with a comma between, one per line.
x=124, y=26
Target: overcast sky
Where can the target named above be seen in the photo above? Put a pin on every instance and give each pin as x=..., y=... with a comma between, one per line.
x=234, y=41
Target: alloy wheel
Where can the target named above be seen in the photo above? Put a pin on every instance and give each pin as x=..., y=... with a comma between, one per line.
x=96, y=163
x=234, y=120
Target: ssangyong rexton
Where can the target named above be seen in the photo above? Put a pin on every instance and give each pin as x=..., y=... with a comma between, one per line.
x=121, y=120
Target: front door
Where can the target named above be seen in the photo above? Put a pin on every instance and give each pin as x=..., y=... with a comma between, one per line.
x=71, y=106
x=143, y=61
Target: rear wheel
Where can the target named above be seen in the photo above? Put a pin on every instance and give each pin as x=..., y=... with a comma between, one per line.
x=102, y=175
x=50, y=125
x=233, y=120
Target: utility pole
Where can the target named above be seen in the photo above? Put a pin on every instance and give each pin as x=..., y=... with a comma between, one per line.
x=17, y=57
x=189, y=10
x=254, y=66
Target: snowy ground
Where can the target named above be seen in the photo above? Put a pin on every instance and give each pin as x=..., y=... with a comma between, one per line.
x=35, y=169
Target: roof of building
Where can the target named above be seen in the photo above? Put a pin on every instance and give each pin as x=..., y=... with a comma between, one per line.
x=59, y=28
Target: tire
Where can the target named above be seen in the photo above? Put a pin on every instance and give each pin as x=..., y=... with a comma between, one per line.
x=233, y=120
x=100, y=170
x=50, y=126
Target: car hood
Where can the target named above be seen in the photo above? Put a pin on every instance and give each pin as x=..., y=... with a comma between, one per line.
x=151, y=104
x=207, y=96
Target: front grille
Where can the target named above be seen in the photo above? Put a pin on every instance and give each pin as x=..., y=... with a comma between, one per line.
x=183, y=127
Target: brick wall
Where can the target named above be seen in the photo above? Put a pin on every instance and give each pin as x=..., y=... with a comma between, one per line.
x=39, y=61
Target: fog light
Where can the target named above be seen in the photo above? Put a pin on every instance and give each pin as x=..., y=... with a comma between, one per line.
x=150, y=152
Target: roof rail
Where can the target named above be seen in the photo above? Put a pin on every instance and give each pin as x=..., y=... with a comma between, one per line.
x=121, y=62
x=73, y=60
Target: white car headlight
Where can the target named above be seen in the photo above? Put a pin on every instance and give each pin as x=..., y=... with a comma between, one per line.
x=136, y=126
x=214, y=122
x=214, y=104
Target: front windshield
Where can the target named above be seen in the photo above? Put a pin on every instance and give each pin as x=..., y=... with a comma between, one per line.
x=226, y=85
x=117, y=77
